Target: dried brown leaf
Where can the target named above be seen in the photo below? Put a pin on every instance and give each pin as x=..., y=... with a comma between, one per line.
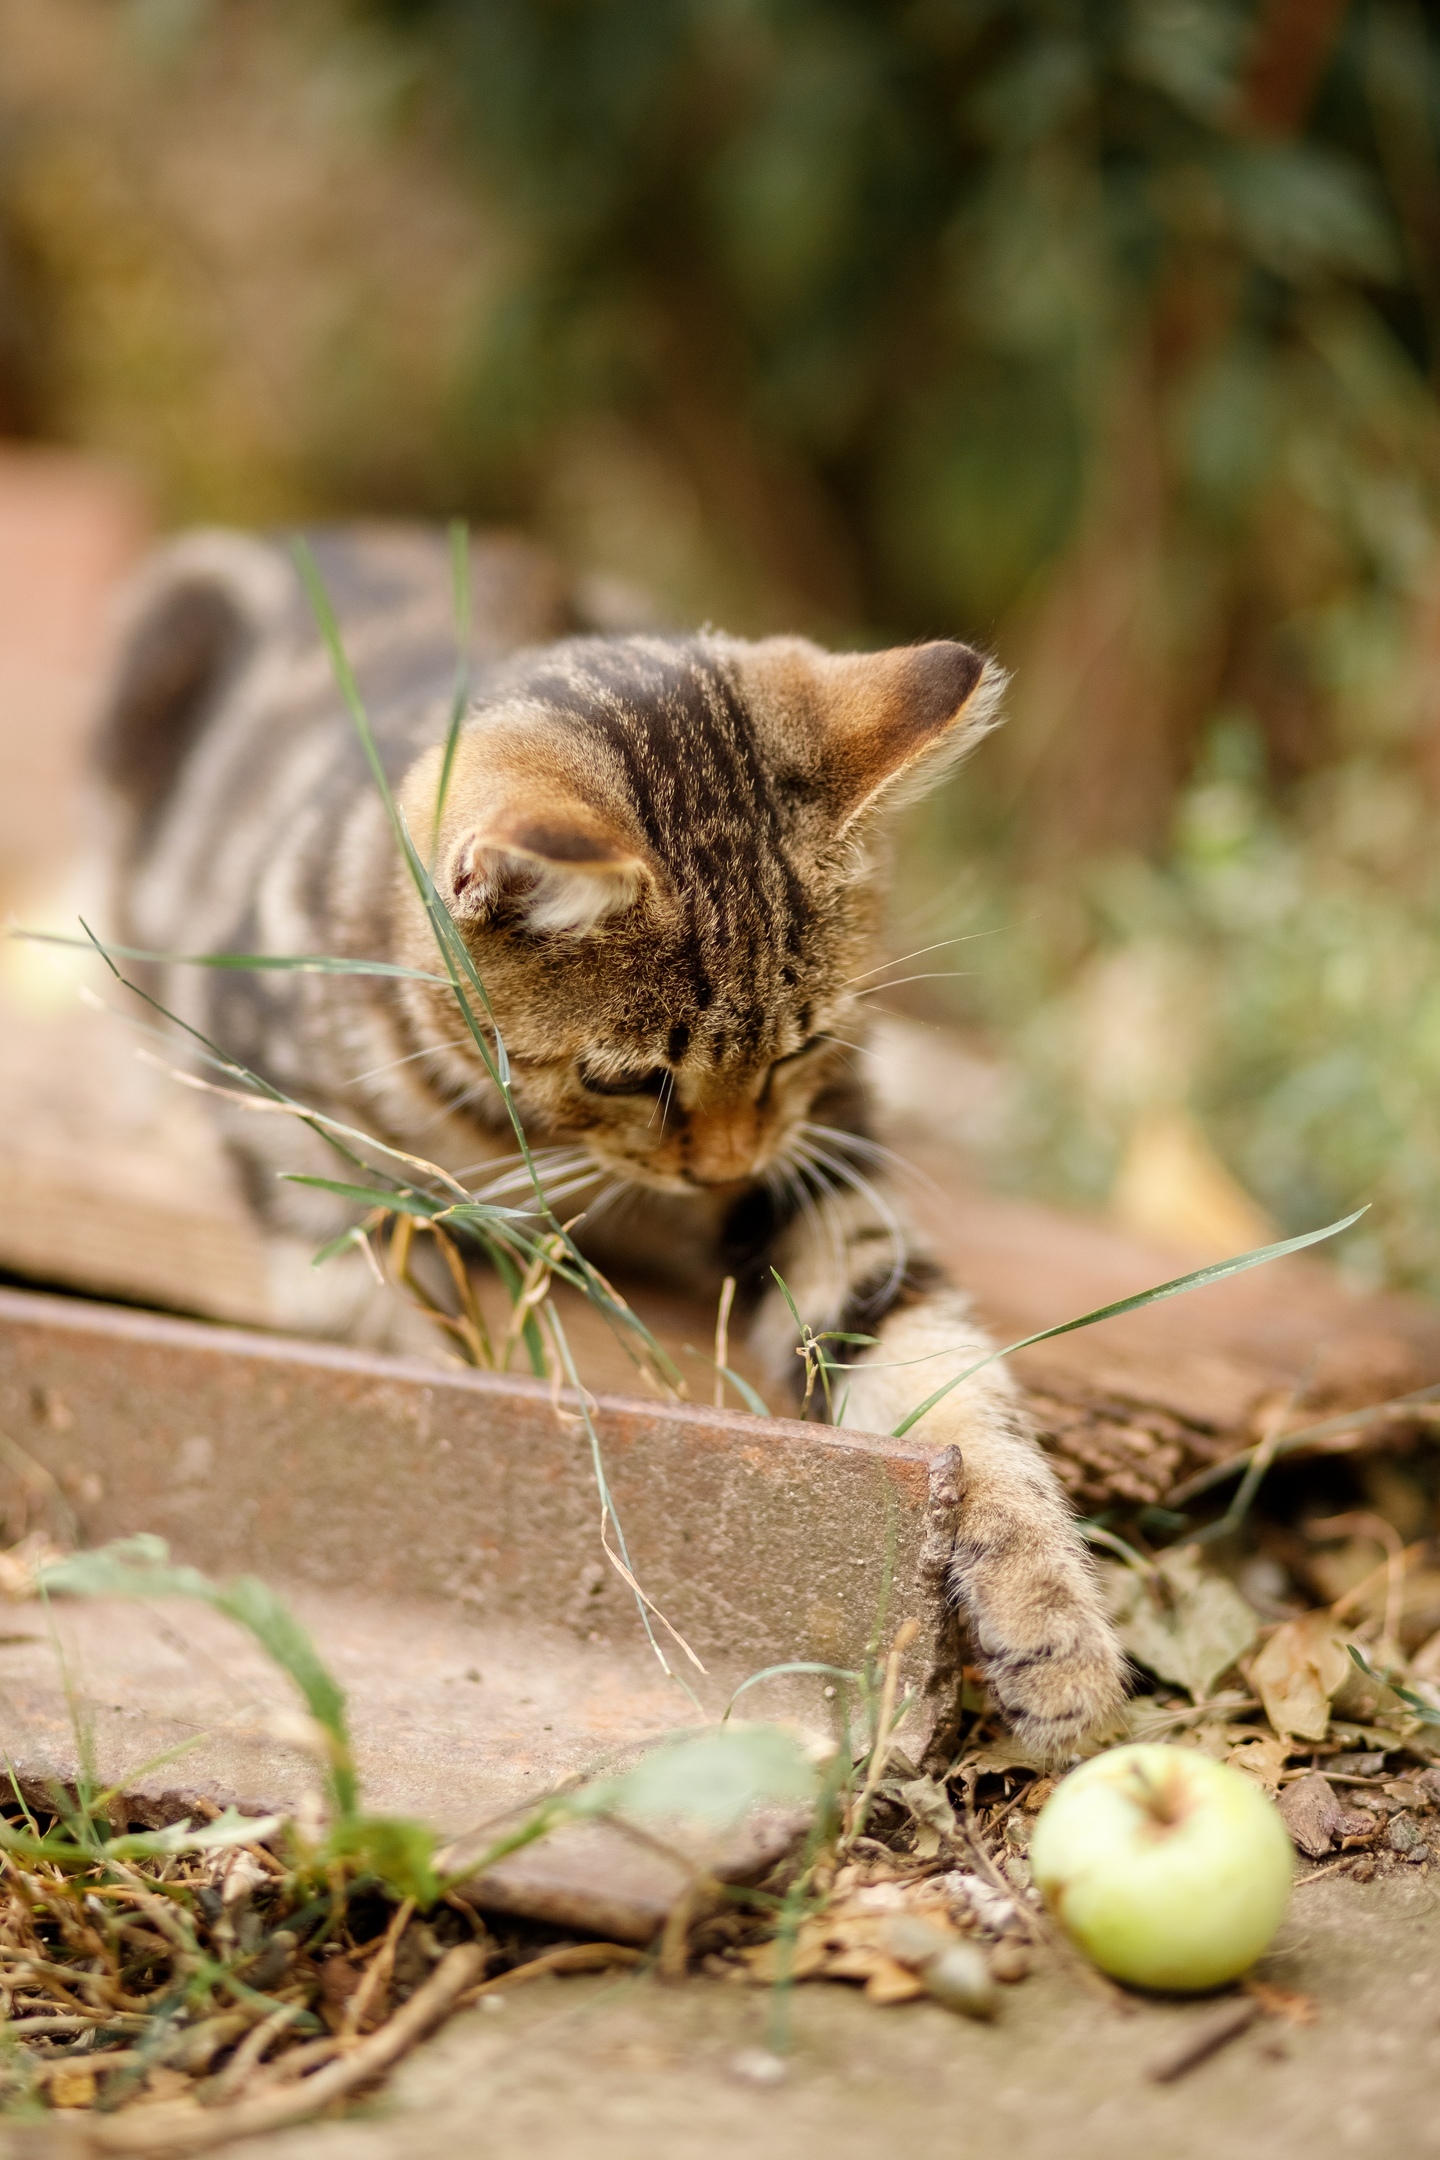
x=1181, y=1621
x=1287, y=2003
x=1299, y=1672
x=891, y=1983
x=1262, y=1757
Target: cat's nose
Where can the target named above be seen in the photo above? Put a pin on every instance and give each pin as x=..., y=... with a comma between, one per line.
x=722, y=1145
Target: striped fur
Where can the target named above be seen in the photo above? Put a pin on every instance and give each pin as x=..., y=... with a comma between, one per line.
x=667, y=857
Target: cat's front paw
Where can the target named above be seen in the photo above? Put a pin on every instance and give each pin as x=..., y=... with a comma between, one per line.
x=1050, y=1657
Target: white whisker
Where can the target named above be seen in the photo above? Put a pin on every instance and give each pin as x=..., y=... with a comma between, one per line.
x=797, y=1176
x=931, y=975
x=451, y=1042
x=843, y=1042
x=792, y=1184
x=662, y=1101
x=612, y=1195
x=872, y=1149
x=512, y=1172
x=885, y=1214
x=966, y=937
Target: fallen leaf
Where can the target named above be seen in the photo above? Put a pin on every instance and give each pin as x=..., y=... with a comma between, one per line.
x=930, y=1806
x=1211, y=1736
x=1369, y=1737
x=892, y=1983
x=1287, y=2003
x=805, y=1960
x=850, y=1941
x=1003, y=1754
x=1180, y=1621
x=1298, y=1672
x=19, y=1566
x=1262, y=1758
x=72, y=2088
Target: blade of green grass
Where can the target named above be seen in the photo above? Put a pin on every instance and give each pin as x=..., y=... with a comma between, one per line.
x=460, y=698
x=1415, y=1704
x=790, y=1302
x=796, y=1665
x=608, y=1512
x=141, y=1567
x=1217, y=1271
x=249, y=963
x=1303, y=1436
x=411, y=1203
x=753, y=1402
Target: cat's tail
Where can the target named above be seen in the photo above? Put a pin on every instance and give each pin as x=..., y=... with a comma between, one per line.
x=193, y=623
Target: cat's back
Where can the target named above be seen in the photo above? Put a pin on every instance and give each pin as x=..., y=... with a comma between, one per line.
x=227, y=759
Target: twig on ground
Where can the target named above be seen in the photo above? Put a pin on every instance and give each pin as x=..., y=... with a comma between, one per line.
x=569, y=1958
x=236, y=2074
x=885, y=1723
x=1202, y=2041
x=377, y=1975
x=182, y=2127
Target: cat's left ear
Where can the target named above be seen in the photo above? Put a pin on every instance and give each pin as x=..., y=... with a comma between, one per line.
x=562, y=868
x=881, y=727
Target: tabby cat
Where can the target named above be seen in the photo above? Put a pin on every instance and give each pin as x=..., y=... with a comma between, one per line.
x=666, y=855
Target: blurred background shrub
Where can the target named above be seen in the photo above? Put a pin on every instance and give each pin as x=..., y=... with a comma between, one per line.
x=1104, y=332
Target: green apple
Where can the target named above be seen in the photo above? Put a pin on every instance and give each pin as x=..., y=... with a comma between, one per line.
x=1168, y=1869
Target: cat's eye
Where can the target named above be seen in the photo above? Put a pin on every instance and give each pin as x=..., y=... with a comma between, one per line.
x=631, y=1083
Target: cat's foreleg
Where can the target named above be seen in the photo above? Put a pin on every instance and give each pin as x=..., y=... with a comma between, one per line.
x=1020, y=1571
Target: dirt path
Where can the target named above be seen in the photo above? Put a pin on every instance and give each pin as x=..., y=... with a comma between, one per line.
x=632, y=2071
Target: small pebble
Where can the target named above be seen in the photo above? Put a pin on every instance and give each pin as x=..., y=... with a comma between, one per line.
x=757, y=2066
x=914, y=1942
x=1009, y=1962
x=1402, y=1835
x=960, y=1979
x=955, y=1973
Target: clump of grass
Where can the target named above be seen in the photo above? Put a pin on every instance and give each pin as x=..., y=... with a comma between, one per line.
x=248, y=1970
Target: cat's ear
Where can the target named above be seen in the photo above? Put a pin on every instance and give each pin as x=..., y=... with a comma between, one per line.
x=562, y=868
x=878, y=727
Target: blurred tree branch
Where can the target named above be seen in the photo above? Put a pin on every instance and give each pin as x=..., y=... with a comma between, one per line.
x=1293, y=44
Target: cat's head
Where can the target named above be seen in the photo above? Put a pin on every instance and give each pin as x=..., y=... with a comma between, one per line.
x=662, y=855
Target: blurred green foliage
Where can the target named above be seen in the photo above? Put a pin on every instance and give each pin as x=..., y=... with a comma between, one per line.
x=942, y=259
x=1272, y=976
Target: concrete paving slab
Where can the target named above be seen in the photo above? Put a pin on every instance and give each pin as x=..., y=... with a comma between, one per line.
x=630, y=2070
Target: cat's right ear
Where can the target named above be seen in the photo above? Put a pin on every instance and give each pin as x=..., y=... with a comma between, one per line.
x=564, y=870
x=872, y=729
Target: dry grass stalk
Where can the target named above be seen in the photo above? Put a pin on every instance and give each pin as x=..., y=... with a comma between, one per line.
x=182, y=2127
x=884, y=1731
x=378, y=1971
x=568, y=1958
